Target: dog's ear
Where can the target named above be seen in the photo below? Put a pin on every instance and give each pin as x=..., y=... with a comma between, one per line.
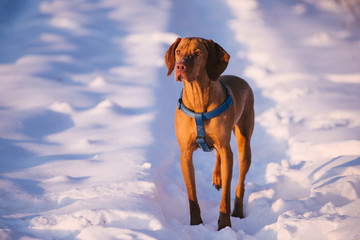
x=217, y=61
x=170, y=56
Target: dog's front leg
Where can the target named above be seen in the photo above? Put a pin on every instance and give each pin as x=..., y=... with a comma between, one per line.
x=188, y=171
x=226, y=158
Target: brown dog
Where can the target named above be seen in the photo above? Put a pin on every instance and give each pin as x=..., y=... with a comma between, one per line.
x=199, y=64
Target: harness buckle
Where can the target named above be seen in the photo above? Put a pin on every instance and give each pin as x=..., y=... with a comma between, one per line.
x=179, y=103
x=200, y=140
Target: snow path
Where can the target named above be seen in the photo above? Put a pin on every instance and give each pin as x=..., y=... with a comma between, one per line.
x=87, y=143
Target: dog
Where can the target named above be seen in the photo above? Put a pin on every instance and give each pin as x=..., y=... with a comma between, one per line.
x=198, y=63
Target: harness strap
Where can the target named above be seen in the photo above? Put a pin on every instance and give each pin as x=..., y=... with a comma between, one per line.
x=200, y=139
x=200, y=117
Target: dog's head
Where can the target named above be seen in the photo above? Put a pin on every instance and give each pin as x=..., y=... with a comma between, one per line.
x=194, y=57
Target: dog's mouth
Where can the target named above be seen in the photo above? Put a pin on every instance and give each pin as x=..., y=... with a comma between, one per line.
x=178, y=76
x=183, y=76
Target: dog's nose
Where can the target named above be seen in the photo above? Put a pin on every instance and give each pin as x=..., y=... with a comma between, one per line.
x=181, y=66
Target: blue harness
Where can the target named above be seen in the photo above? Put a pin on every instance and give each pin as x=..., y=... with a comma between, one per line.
x=200, y=117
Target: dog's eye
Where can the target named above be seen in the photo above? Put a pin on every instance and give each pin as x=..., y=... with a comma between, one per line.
x=178, y=52
x=197, y=53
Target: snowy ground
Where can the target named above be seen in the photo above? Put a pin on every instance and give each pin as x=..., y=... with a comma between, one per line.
x=87, y=145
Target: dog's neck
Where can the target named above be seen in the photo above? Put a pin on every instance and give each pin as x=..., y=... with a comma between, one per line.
x=203, y=96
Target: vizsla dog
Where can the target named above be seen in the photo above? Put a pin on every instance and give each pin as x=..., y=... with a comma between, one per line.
x=198, y=64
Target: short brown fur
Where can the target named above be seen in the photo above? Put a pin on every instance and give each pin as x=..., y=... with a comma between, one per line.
x=198, y=64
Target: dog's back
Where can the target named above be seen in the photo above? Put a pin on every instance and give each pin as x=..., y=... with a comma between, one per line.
x=242, y=94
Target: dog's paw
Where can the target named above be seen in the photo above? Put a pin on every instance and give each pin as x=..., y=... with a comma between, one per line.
x=224, y=221
x=238, y=208
x=217, y=180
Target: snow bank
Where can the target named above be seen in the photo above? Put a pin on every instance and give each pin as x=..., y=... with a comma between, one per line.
x=302, y=60
x=76, y=109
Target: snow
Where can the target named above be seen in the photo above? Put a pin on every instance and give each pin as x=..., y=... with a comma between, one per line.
x=87, y=143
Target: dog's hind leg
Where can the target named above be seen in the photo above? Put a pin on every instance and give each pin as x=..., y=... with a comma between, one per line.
x=243, y=130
